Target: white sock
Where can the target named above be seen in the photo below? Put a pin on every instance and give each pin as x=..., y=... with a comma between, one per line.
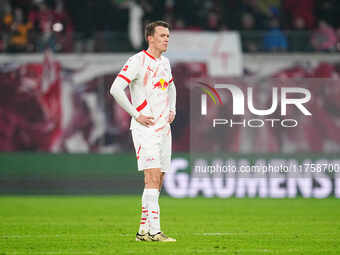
x=158, y=208
x=153, y=208
x=144, y=223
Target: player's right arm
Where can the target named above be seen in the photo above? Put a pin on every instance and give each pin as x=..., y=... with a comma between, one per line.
x=123, y=79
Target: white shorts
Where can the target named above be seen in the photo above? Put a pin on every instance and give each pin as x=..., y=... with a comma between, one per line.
x=153, y=148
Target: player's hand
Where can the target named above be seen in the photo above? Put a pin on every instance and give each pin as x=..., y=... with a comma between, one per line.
x=145, y=120
x=171, y=117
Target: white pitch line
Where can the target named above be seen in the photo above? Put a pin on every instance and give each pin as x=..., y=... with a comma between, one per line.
x=212, y=251
x=234, y=233
x=251, y=233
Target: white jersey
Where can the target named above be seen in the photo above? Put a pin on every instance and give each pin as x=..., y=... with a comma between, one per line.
x=149, y=80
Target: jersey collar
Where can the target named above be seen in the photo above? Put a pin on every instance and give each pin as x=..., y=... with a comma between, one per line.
x=149, y=55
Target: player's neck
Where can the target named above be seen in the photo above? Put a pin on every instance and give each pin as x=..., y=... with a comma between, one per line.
x=153, y=52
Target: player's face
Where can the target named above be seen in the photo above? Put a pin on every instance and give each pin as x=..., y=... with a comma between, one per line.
x=160, y=38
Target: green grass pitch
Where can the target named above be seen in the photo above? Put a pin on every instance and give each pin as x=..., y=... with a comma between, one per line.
x=107, y=225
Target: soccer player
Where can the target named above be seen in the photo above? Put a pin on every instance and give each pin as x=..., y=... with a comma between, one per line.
x=153, y=109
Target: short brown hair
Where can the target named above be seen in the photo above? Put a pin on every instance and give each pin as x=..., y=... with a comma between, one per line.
x=150, y=28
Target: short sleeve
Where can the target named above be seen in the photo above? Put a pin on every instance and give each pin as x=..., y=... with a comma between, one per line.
x=129, y=71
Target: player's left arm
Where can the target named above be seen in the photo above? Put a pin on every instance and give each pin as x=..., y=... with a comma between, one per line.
x=172, y=101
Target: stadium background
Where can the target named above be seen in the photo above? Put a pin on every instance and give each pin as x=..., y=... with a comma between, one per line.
x=68, y=179
x=61, y=132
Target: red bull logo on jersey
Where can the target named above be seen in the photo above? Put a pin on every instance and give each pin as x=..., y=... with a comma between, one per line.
x=162, y=84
